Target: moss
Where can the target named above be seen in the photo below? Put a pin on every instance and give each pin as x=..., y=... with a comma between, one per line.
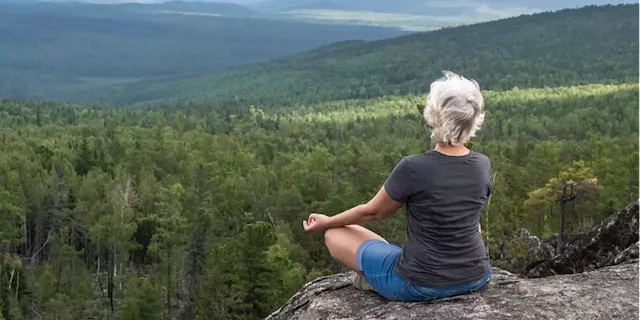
x=517, y=253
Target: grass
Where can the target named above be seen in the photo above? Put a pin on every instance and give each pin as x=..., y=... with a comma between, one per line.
x=186, y=13
x=407, y=22
x=368, y=109
x=414, y=23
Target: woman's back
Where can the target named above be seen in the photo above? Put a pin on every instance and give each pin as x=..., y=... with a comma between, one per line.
x=443, y=195
x=443, y=191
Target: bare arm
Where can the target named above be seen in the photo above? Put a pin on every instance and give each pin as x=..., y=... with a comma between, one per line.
x=378, y=208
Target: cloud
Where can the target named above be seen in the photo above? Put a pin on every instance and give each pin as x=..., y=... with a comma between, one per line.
x=157, y=1
x=451, y=3
x=484, y=8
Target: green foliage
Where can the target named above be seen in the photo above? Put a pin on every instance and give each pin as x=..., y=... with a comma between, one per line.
x=247, y=269
x=290, y=274
x=577, y=180
x=196, y=213
x=143, y=301
x=11, y=220
x=516, y=251
x=170, y=234
x=57, y=308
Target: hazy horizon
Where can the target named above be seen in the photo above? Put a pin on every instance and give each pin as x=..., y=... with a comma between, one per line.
x=458, y=3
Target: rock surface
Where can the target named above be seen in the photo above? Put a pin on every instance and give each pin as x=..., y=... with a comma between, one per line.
x=524, y=252
x=611, y=241
x=629, y=254
x=595, y=277
x=607, y=293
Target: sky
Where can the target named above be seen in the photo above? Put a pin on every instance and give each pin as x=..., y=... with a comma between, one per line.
x=531, y=3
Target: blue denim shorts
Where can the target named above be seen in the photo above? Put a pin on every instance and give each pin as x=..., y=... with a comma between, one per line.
x=376, y=259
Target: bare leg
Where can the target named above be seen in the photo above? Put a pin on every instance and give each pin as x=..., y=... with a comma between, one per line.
x=343, y=242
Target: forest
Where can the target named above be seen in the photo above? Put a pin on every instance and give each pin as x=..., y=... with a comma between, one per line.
x=568, y=47
x=56, y=50
x=195, y=213
x=186, y=200
x=436, y=8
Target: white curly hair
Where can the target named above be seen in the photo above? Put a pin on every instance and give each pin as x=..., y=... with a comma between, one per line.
x=454, y=109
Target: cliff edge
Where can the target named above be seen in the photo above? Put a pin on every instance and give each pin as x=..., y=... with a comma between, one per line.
x=595, y=277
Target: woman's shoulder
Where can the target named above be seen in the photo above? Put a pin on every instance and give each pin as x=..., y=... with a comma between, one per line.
x=418, y=158
x=435, y=154
x=481, y=156
x=421, y=161
x=433, y=157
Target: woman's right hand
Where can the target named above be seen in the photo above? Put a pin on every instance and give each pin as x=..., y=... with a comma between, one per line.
x=316, y=222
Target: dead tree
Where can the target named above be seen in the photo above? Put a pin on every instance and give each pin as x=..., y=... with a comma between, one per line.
x=567, y=196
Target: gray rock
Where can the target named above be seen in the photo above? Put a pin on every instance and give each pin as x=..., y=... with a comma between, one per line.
x=523, y=252
x=607, y=293
x=595, y=277
x=629, y=254
x=609, y=242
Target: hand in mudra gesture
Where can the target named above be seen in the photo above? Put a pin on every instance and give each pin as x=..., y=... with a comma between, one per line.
x=316, y=222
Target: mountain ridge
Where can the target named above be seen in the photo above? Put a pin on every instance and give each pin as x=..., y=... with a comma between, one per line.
x=439, y=6
x=595, y=44
x=55, y=51
x=330, y=5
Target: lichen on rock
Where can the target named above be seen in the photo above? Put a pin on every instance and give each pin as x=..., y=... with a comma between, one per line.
x=611, y=241
x=608, y=293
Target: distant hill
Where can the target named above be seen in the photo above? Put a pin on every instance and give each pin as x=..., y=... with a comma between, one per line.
x=441, y=7
x=569, y=47
x=222, y=8
x=321, y=5
x=128, y=7
x=52, y=51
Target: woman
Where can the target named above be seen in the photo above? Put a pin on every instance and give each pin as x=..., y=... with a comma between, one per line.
x=443, y=191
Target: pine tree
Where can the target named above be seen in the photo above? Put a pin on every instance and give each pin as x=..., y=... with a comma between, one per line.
x=170, y=238
x=142, y=302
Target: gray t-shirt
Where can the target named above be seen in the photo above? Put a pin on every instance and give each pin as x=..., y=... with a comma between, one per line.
x=443, y=196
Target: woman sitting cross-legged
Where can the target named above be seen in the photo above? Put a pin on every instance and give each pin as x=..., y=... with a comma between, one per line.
x=443, y=191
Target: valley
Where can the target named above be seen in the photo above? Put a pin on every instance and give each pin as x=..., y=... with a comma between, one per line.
x=168, y=178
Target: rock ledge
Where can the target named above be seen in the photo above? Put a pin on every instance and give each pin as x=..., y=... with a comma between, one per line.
x=607, y=293
x=595, y=277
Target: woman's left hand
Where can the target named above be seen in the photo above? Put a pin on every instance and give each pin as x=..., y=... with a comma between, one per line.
x=316, y=222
